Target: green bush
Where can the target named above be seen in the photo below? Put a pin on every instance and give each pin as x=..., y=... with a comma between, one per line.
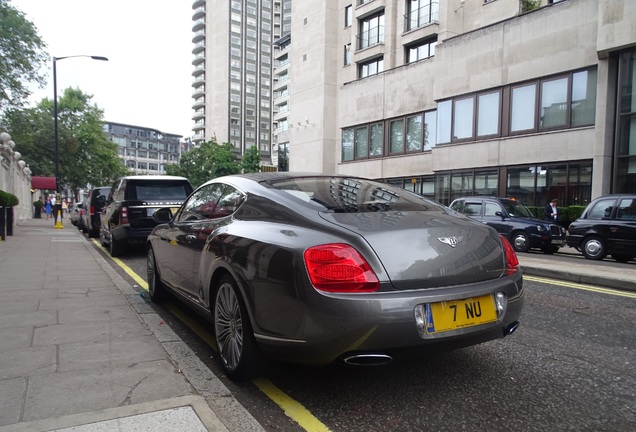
x=38, y=204
x=8, y=200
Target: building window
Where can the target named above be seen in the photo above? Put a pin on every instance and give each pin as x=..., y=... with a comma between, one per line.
x=522, y=108
x=362, y=142
x=414, y=133
x=371, y=31
x=421, y=13
x=348, y=18
x=553, y=107
x=625, y=181
x=347, y=145
x=396, y=136
x=463, y=116
x=376, y=140
x=421, y=50
x=347, y=54
x=488, y=113
x=583, y=105
x=372, y=67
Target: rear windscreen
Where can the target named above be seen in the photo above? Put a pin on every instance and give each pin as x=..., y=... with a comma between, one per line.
x=176, y=191
x=352, y=195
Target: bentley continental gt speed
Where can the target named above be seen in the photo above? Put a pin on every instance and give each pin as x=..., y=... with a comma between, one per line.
x=315, y=269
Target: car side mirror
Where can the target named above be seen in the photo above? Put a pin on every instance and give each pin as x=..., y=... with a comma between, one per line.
x=162, y=215
x=500, y=214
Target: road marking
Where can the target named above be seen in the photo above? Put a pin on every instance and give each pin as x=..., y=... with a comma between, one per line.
x=582, y=287
x=291, y=408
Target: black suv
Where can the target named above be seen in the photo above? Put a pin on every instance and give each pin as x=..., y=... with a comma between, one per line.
x=514, y=220
x=127, y=216
x=93, y=205
x=607, y=226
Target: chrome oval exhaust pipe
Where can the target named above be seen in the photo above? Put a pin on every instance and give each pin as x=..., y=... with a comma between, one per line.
x=368, y=359
x=511, y=328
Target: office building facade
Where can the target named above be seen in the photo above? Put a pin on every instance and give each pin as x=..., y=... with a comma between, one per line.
x=144, y=150
x=452, y=97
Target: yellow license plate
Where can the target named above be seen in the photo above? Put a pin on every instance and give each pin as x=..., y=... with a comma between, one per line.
x=457, y=314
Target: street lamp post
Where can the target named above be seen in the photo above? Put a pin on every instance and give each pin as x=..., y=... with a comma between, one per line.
x=58, y=204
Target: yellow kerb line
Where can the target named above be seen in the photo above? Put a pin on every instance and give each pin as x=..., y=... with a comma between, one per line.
x=582, y=287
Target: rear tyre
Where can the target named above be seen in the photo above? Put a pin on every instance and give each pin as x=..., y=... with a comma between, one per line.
x=115, y=247
x=156, y=289
x=239, y=354
x=520, y=241
x=593, y=248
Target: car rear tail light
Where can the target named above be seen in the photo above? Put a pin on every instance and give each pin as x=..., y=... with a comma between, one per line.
x=512, y=262
x=124, y=215
x=339, y=268
x=91, y=210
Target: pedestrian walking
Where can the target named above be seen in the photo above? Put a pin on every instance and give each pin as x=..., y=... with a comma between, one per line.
x=48, y=207
x=550, y=211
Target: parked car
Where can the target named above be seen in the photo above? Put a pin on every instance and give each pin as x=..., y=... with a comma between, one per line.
x=127, y=215
x=76, y=210
x=606, y=226
x=93, y=205
x=316, y=269
x=514, y=220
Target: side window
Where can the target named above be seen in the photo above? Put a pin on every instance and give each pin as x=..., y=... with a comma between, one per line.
x=627, y=209
x=229, y=202
x=472, y=208
x=602, y=209
x=201, y=204
x=491, y=209
x=457, y=206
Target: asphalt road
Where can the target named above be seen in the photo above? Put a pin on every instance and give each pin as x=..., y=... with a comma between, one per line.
x=570, y=366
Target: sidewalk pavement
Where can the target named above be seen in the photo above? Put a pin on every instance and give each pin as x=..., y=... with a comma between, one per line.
x=80, y=349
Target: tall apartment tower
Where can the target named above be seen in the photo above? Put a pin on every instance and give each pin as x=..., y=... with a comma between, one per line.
x=232, y=73
x=478, y=97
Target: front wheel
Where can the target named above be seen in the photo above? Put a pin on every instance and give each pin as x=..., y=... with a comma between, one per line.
x=593, y=248
x=235, y=340
x=520, y=241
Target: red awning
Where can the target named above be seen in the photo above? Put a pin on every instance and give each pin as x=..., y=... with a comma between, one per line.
x=43, y=183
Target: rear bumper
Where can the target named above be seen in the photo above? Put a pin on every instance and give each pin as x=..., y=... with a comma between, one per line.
x=383, y=324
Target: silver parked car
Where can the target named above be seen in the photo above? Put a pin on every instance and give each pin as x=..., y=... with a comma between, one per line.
x=315, y=269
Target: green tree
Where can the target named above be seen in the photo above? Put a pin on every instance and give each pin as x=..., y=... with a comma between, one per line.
x=21, y=56
x=86, y=155
x=251, y=162
x=205, y=162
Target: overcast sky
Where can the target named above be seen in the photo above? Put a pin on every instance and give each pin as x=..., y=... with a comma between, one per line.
x=147, y=80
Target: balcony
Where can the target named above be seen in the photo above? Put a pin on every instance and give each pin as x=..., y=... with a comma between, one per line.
x=198, y=47
x=198, y=92
x=198, y=24
x=198, y=70
x=198, y=35
x=198, y=12
x=198, y=114
x=199, y=58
